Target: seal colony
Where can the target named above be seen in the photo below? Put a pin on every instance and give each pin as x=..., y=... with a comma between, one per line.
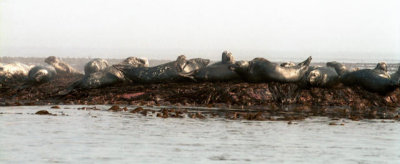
x=249, y=84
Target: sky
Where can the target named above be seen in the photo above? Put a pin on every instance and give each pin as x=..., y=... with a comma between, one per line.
x=364, y=30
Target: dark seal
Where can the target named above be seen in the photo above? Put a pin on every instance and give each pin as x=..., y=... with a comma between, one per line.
x=219, y=71
x=262, y=70
x=179, y=70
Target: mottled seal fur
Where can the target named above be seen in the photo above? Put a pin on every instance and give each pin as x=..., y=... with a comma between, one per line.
x=105, y=77
x=288, y=64
x=374, y=80
x=219, y=71
x=136, y=62
x=41, y=74
x=60, y=66
x=262, y=70
x=95, y=65
x=110, y=75
x=179, y=70
x=13, y=71
x=318, y=76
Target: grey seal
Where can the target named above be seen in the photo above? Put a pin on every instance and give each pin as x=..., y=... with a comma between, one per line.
x=136, y=61
x=396, y=76
x=60, y=66
x=41, y=74
x=339, y=67
x=179, y=70
x=318, y=76
x=105, y=77
x=219, y=71
x=95, y=65
x=109, y=75
x=288, y=64
x=13, y=72
x=262, y=70
x=374, y=80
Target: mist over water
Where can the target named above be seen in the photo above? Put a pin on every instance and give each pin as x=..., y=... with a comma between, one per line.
x=347, y=31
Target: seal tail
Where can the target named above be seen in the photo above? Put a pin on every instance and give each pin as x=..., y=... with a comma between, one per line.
x=70, y=88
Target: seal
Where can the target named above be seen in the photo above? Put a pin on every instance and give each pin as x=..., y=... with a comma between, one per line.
x=318, y=76
x=396, y=76
x=13, y=72
x=288, y=64
x=179, y=70
x=105, y=77
x=219, y=71
x=374, y=80
x=339, y=67
x=60, y=66
x=95, y=65
x=109, y=75
x=41, y=74
x=262, y=70
x=135, y=61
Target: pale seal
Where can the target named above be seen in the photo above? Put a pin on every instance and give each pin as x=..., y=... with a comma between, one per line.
x=135, y=61
x=60, y=66
x=13, y=72
x=95, y=65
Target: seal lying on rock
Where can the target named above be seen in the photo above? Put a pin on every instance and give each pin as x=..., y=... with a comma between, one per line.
x=41, y=74
x=175, y=71
x=262, y=70
x=219, y=71
x=396, y=76
x=95, y=65
x=135, y=61
x=288, y=64
x=60, y=66
x=108, y=76
x=318, y=76
x=13, y=71
x=375, y=80
x=339, y=67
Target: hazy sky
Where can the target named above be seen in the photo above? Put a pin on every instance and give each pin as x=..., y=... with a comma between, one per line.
x=163, y=29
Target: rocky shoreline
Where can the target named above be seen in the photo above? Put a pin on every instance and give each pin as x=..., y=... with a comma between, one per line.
x=288, y=100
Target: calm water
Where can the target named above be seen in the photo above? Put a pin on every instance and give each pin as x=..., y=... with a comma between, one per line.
x=80, y=136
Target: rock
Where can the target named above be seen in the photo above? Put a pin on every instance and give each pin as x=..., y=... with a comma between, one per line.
x=43, y=112
x=55, y=107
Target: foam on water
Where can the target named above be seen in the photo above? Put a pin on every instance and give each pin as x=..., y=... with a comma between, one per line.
x=83, y=136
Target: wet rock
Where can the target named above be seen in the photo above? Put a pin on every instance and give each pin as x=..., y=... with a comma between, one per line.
x=332, y=123
x=136, y=110
x=55, y=107
x=116, y=108
x=43, y=112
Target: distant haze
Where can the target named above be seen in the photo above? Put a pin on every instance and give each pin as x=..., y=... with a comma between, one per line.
x=365, y=30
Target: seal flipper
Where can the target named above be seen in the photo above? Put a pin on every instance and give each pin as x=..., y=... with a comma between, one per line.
x=339, y=67
x=306, y=62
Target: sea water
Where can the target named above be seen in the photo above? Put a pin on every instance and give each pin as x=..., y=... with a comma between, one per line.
x=101, y=136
